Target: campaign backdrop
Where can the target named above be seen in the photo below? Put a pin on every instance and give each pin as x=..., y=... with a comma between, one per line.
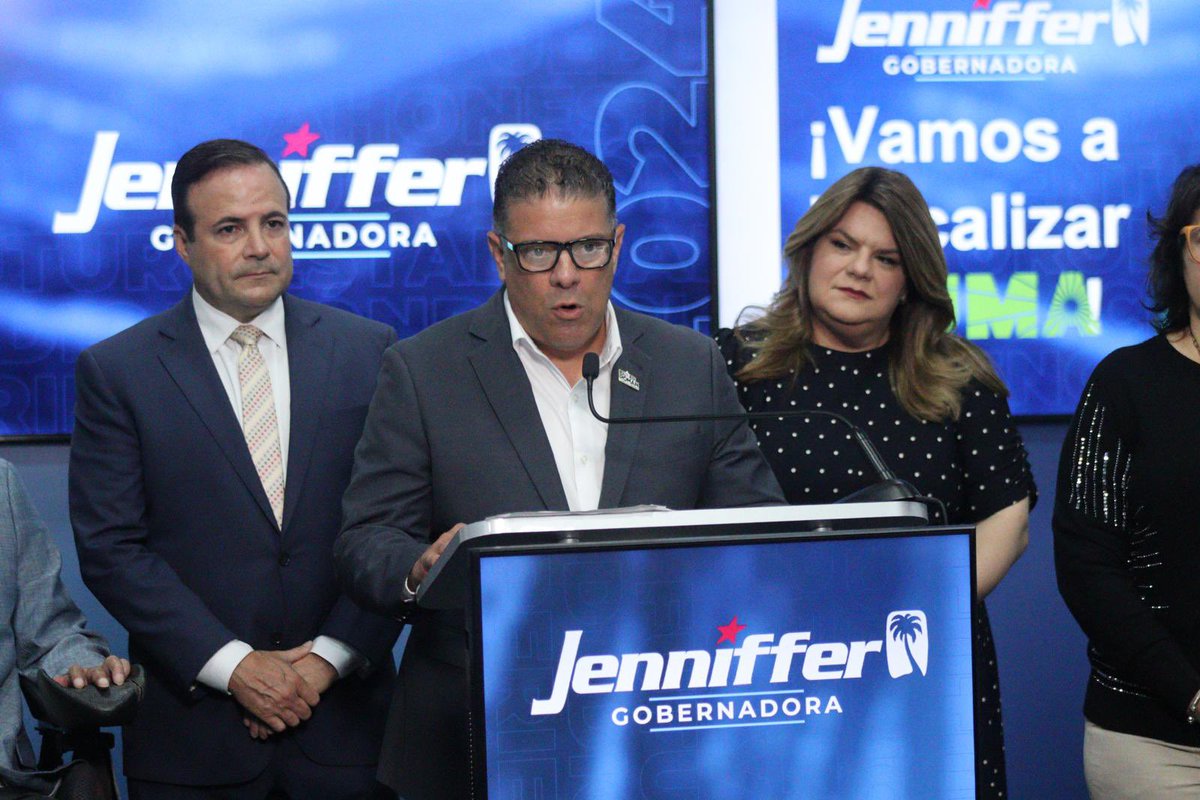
x=1041, y=132
x=388, y=121
x=832, y=668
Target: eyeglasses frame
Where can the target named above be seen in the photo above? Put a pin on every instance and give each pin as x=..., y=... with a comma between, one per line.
x=559, y=248
x=1186, y=232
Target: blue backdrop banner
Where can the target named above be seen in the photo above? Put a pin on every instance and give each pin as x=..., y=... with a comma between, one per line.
x=1041, y=132
x=388, y=121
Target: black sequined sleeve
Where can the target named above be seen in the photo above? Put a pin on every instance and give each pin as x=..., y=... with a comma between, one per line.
x=1104, y=557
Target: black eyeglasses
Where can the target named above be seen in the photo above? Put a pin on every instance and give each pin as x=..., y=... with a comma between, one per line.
x=542, y=256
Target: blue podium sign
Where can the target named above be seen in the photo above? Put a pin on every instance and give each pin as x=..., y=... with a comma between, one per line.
x=835, y=667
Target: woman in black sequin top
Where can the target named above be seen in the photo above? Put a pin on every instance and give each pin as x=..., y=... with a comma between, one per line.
x=1127, y=533
x=860, y=328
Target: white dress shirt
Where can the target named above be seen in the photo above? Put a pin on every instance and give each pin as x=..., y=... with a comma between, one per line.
x=576, y=437
x=216, y=327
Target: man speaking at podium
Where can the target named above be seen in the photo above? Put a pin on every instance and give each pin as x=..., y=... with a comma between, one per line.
x=486, y=413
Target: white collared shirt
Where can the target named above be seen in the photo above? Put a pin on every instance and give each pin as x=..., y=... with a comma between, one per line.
x=215, y=327
x=577, y=439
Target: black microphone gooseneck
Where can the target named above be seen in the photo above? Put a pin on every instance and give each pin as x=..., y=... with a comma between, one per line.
x=889, y=486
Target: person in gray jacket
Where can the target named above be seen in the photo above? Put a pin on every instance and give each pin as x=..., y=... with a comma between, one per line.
x=44, y=630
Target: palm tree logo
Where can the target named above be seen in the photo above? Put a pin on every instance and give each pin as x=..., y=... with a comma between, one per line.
x=908, y=645
x=510, y=142
x=1130, y=21
x=506, y=139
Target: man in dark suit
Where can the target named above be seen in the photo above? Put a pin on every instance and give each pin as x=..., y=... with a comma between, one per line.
x=486, y=413
x=211, y=448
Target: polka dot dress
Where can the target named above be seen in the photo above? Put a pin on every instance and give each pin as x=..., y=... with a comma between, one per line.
x=976, y=465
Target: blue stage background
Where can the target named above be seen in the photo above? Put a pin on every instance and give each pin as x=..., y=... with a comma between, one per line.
x=389, y=120
x=1078, y=112
x=414, y=104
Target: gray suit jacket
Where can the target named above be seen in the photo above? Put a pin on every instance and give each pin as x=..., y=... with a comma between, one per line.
x=43, y=627
x=454, y=435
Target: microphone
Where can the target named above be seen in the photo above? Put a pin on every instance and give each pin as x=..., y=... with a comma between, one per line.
x=889, y=486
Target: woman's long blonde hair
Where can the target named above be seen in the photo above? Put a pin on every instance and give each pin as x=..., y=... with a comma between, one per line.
x=929, y=364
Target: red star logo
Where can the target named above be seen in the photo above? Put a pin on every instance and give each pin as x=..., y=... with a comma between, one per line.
x=299, y=141
x=729, y=632
x=984, y=4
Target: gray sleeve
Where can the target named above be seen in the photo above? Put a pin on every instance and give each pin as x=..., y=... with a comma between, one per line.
x=48, y=627
x=386, y=509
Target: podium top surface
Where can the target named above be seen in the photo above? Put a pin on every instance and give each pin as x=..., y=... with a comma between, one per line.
x=446, y=584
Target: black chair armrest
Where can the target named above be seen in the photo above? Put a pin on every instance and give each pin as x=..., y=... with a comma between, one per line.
x=90, y=707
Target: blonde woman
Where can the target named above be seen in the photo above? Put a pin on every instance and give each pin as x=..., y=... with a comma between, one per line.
x=861, y=328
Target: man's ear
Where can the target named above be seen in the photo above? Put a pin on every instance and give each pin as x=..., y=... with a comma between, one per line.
x=618, y=238
x=497, y=250
x=181, y=244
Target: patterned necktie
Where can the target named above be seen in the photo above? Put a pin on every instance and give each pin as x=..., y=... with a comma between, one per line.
x=258, y=416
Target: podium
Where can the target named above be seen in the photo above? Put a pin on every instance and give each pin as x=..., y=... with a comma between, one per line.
x=785, y=652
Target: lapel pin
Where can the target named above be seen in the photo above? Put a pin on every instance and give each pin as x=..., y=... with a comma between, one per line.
x=629, y=379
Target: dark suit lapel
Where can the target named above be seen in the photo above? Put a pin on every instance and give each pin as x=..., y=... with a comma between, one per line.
x=621, y=446
x=190, y=365
x=310, y=359
x=506, y=386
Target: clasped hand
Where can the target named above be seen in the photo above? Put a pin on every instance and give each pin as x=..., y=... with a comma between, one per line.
x=279, y=688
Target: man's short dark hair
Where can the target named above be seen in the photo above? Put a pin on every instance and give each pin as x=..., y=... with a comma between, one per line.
x=551, y=165
x=206, y=158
